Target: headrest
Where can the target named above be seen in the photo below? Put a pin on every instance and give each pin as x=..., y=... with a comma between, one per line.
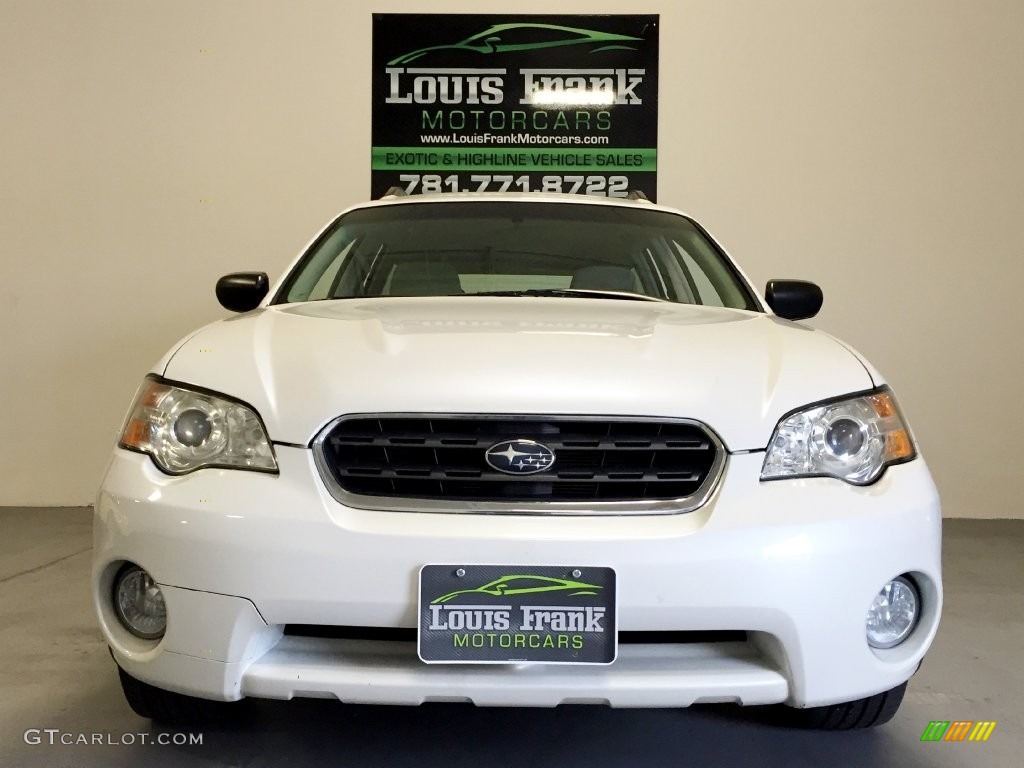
x=421, y=278
x=605, y=278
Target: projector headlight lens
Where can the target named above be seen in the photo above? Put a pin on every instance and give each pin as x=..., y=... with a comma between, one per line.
x=193, y=428
x=893, y=613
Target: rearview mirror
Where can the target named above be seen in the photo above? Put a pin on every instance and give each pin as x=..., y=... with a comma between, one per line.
x=793, y=299
x=242, y=291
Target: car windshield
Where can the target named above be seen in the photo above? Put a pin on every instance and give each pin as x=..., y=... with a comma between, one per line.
x=516, y=248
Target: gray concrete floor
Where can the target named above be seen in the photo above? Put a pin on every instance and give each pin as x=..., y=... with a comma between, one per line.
x=55, y=673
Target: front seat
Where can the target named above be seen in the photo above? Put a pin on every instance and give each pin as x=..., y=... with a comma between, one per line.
x=606, y=277
x=421, y=278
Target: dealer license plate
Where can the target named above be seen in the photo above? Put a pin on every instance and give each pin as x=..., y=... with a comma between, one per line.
x=515, y=614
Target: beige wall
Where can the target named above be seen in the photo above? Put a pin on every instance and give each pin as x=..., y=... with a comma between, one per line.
x=871, y=145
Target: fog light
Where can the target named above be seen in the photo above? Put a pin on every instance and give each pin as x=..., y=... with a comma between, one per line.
x=140, y=603
x=893, y=613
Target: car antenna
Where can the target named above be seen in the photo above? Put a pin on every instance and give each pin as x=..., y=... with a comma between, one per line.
x=636, y=194
x=395, y=191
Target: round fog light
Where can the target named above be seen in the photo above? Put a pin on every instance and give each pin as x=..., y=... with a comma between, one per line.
x=140, y=603
x=893, y=613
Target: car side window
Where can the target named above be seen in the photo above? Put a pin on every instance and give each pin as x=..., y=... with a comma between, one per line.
x=705, y=290
x=534, y=35
x=708, y=276
x=524, y=583
x=324, y=287
x=318, y=276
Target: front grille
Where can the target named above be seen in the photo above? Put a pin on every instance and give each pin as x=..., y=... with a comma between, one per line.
x=597, y=460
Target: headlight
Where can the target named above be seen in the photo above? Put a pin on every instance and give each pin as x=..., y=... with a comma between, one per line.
x=184, y=430
x=853, y=439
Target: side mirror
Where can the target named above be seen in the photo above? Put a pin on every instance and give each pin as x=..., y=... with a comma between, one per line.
x=242, y=291
x=793, y=299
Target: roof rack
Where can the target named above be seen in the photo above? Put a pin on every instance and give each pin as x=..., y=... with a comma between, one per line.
x=395, y=191
x=636, y=194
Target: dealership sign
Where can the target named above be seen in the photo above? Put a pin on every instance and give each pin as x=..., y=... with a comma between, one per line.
x=468, y=102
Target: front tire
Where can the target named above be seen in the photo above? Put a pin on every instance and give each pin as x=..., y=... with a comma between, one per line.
x=862, y=713
x=176, y=708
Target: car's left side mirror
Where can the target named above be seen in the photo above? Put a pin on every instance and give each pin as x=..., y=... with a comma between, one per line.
x=242, y=291
x=793, y=299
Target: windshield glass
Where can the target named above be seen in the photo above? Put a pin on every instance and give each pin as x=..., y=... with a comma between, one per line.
x=527, y=248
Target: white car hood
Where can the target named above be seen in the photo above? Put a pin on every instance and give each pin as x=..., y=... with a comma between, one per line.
x=302, y=365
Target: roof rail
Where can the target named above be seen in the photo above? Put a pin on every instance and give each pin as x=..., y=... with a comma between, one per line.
x=395, y=191
x=636, y=194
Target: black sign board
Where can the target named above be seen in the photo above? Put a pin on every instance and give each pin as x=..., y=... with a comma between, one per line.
x=508, y=614
x=515, y=103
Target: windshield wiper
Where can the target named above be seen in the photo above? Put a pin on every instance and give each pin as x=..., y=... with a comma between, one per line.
x=582, y=293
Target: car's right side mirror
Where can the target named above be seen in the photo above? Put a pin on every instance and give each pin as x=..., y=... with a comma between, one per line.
x=242, y=291
x=793, y=299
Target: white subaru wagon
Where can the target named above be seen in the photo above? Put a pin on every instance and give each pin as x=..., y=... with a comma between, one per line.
x=516, y=450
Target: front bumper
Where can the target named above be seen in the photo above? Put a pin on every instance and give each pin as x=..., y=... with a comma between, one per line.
x=793, y=563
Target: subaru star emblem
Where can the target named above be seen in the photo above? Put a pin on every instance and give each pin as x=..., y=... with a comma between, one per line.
x=520, y=457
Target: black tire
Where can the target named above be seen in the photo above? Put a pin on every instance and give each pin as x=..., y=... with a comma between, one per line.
x=862, y=713
x=176, y=708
